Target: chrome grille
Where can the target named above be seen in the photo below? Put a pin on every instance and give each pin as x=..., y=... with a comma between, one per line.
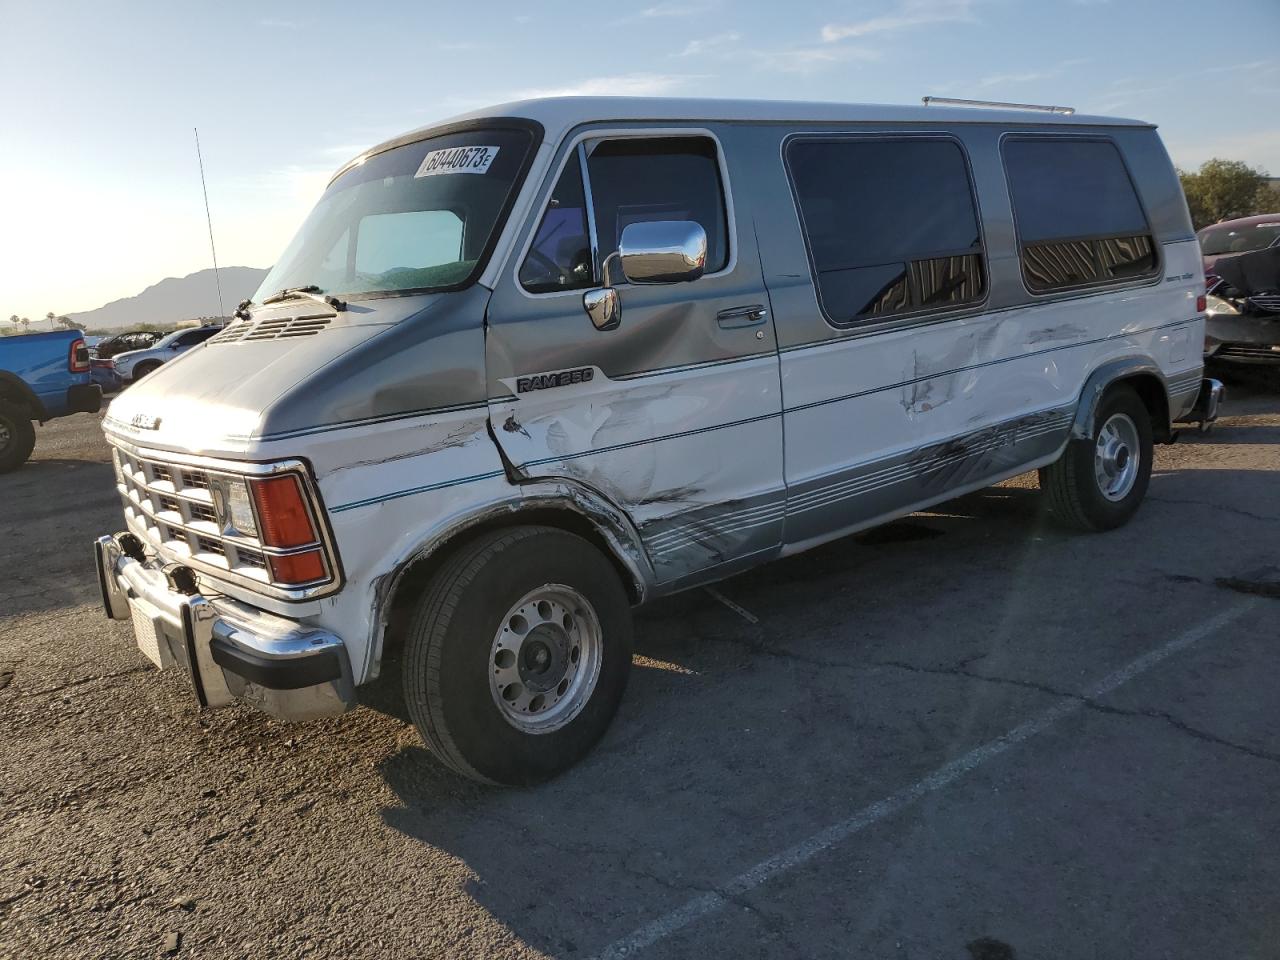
x=1269, y=302
x=172, y=509
x=273, y=328
x=178, y=506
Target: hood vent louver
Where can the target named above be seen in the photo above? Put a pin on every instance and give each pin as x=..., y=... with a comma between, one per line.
x=273, y=328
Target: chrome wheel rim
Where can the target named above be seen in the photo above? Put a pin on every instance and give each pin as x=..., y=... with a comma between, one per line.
x=545, y=658
x=1117, y=456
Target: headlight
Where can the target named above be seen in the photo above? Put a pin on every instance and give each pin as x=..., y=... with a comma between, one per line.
x=239, y=508
x=1216, y=305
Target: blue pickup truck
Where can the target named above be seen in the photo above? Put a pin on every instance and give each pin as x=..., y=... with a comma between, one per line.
x=42, y=376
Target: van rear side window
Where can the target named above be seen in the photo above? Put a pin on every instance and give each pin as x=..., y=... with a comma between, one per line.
x=1078, y=217
x=891, y=225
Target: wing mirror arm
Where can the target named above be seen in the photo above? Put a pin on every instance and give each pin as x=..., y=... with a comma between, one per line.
x=655, y=251
x=602, y=304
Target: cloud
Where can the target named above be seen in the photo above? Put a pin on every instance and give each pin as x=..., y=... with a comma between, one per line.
x=1031, y=76
x=624, y=85
x=810, y=59
x=674, y=10
x=909, y=13
x=1259, y=148
x=710, y=45
x=1254, y=66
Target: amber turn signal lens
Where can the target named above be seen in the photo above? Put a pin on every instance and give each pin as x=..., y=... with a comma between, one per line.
x=298, y=567
x=282, y=513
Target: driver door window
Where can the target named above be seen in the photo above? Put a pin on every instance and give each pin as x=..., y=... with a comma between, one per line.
x=632, y=180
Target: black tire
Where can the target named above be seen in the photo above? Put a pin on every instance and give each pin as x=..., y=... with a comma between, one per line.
x=20, y=433
x=1075, y=497
x=447, y=662
x=142, y=369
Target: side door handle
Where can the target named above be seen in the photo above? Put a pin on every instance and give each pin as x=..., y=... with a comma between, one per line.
x=747, y=316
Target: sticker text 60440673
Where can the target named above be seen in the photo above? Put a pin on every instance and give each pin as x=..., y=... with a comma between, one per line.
x=457, y=160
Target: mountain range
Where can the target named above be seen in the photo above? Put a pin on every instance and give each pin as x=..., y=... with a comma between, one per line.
x=174, y=299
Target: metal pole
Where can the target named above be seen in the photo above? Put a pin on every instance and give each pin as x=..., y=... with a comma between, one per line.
x=214, y=250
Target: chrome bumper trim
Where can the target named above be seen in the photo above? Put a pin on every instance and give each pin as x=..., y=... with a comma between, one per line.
x=231, y=650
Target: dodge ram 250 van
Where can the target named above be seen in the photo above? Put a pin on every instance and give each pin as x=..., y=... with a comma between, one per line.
x=525, y=369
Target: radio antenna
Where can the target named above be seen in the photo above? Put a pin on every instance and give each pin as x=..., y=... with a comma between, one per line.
x=209, y=219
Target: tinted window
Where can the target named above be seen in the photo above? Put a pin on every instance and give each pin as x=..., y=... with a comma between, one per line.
x=197, y=336
x=891, y=225
x=1078, y=216
x=560, y=256
x=676, y=178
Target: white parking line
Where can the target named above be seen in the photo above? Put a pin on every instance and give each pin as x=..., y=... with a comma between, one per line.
x=806, y=850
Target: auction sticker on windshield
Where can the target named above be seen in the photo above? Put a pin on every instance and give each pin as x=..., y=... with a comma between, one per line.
x=457, y=160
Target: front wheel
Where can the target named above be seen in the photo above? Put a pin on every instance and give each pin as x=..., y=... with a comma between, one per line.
x=142, y=369
x=17, y=436
x=1098, y=484
x=518, y=655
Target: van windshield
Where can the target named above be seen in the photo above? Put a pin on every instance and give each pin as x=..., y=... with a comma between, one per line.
x=418, y=217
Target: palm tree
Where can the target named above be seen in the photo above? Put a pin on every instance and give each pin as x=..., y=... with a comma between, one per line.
x=67, y=322
x=26, y=322
x=13, y=318
x=51, y=316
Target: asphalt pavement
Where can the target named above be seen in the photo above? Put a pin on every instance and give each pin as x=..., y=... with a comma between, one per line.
x=963, y=735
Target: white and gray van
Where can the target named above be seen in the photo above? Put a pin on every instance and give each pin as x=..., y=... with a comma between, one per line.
x=525, y=369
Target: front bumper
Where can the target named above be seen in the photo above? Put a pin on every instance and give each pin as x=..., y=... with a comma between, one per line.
x=230, y=650
x=1250, y=338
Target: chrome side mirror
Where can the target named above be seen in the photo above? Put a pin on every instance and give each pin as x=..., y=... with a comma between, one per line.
x=663, y=251
x=603, y=307
x=654, y=251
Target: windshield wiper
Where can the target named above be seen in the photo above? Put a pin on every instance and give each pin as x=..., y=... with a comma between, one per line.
x=309, y=292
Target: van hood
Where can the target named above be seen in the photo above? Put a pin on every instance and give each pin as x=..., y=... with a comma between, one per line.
x=295, y=367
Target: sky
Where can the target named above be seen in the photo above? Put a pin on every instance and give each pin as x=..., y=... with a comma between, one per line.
x=100, y=189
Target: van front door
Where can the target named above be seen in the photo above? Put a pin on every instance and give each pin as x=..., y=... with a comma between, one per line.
x=674, y=415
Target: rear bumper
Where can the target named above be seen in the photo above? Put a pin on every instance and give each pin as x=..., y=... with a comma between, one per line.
x=230, y=650
x=84, y=398
x=1208, y=402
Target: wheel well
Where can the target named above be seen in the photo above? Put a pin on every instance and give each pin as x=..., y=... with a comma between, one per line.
x=1150, y=390
x=15, y=392
x=413, y=579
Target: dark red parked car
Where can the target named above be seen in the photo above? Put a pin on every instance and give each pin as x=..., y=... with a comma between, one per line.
x=1230, y=237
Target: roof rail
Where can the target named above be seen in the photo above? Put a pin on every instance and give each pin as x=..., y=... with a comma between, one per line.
x=956, y=102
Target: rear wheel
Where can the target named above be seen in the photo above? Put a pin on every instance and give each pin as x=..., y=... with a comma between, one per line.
x=1098, y=484
x=518, y=655
x=17, y=436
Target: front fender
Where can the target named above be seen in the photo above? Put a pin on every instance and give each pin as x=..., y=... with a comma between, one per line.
x=532, y=498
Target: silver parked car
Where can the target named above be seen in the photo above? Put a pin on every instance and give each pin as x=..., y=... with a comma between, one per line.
x=136, y=364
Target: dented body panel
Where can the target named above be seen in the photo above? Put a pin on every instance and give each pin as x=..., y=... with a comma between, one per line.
x=724, y=422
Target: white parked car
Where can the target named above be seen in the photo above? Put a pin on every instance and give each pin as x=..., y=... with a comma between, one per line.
x=136, y=364
x=527, y=368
